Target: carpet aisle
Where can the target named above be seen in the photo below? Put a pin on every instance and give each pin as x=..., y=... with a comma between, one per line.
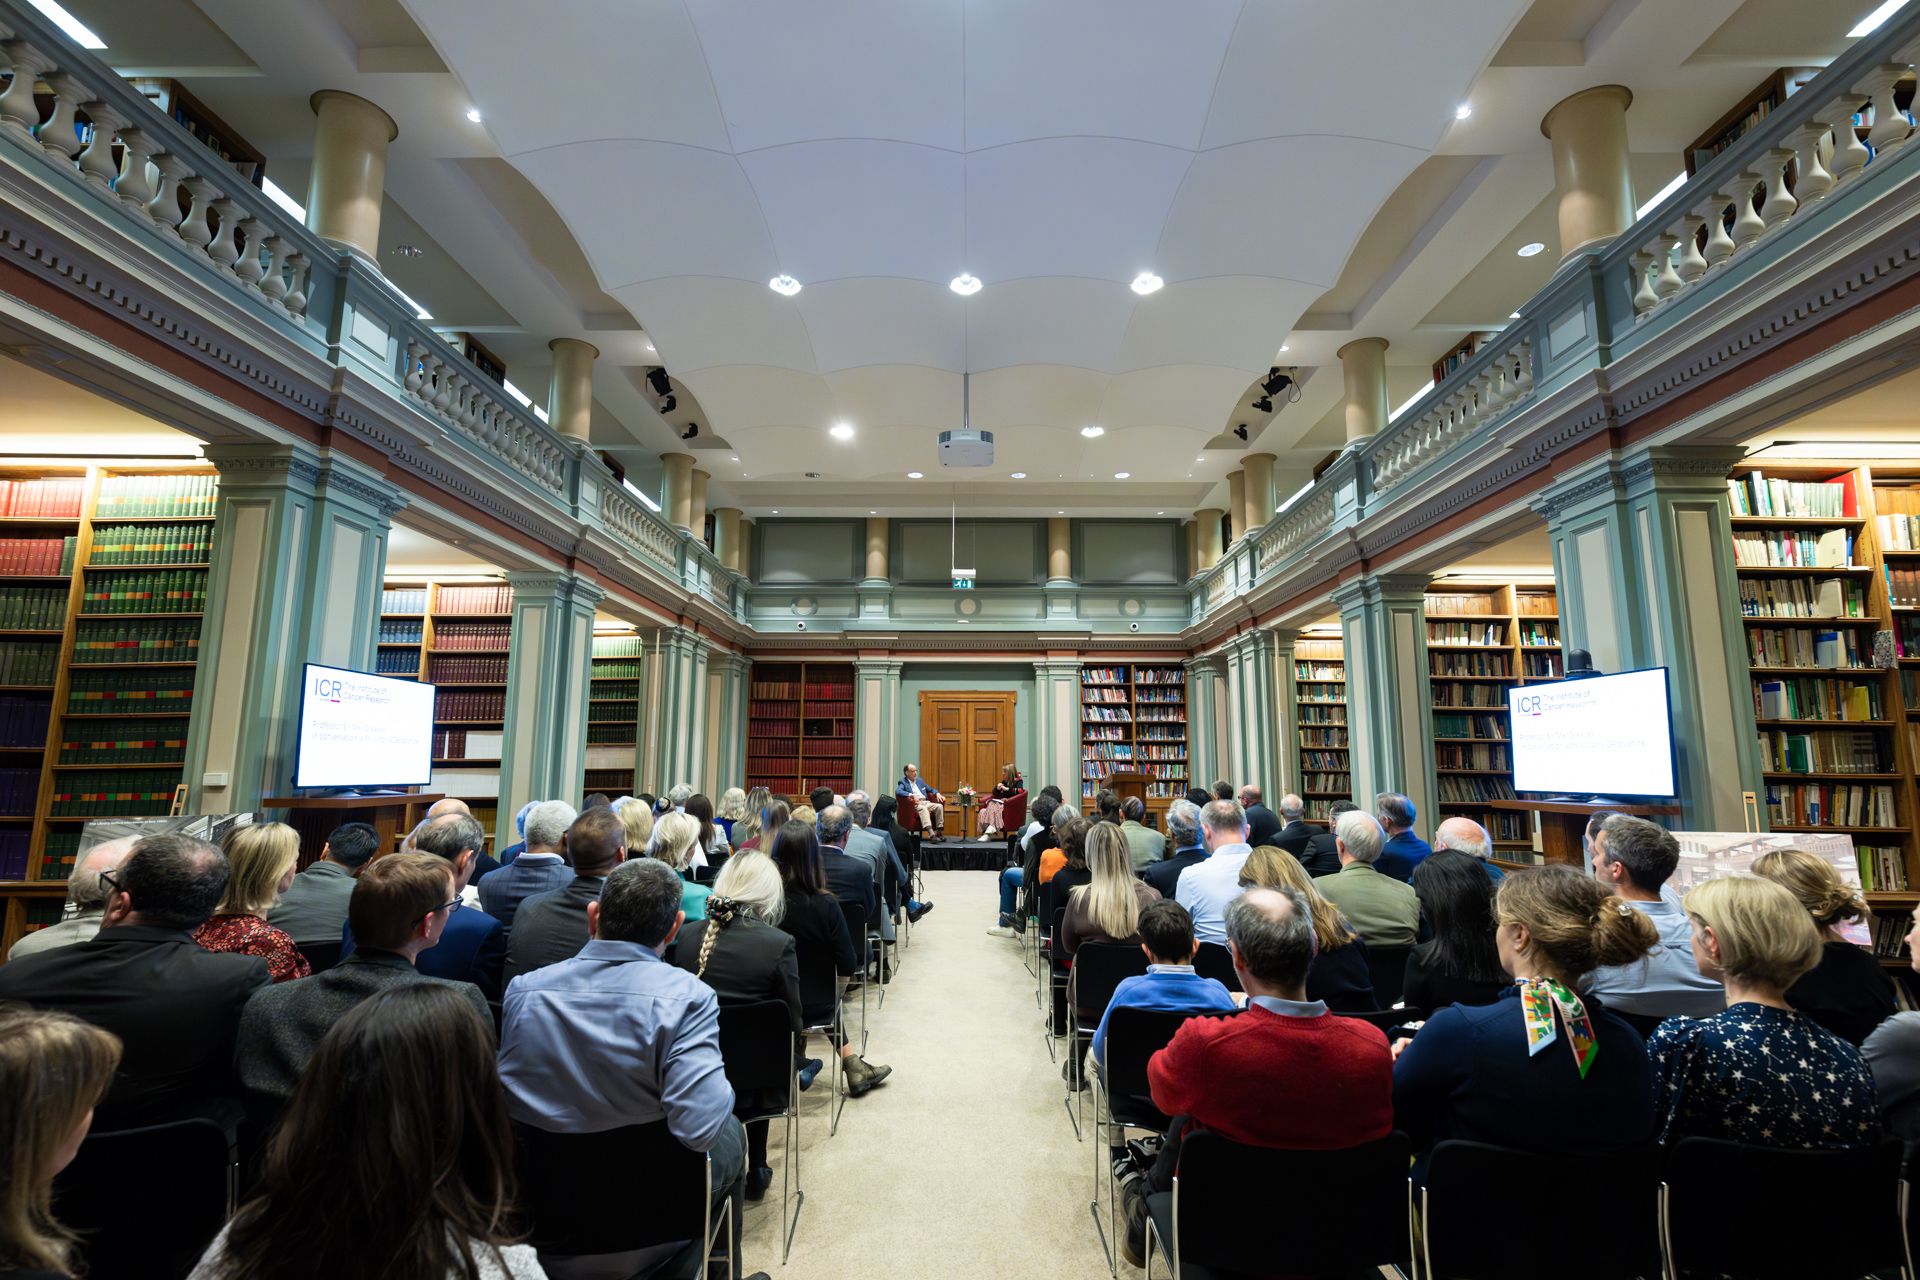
x=963, y=1164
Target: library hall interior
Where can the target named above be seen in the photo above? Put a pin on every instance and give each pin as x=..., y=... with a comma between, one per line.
x=542, y=739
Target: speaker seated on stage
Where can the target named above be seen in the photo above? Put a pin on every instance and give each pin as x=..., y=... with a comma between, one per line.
x=923, y=800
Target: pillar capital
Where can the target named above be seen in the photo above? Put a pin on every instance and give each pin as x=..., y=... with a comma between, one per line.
x=1590, y=166
x=349, y=176
x=1362, y=345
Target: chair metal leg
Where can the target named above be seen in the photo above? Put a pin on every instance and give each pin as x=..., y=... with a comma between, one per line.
x=1667, y=1265
x=1073, y=1072
x=1109, y=1239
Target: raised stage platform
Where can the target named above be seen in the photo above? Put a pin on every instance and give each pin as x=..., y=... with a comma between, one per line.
x=965, y=855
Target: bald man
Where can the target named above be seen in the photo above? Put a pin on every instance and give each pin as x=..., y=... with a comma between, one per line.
x=441, y=808
x=86, y=901
x=484, y=863
x=1464, y=835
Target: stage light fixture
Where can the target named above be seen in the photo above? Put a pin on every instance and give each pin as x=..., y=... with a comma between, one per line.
x=1263, y=405
x=658, y=380
x=693, y=429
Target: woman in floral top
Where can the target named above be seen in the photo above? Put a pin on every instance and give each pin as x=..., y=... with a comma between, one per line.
x=260, y=865
x=1761, y=1072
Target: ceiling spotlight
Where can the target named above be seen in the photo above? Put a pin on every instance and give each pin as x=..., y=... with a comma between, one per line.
x=1513, y=315
x=1123, y=475
x=1263, y=405
x=1462, y=111
x=916, y=475
x=1159, y=513
x=841, y=431
x=1283, y=346
x=965, y=284
x=1241, y=431
x=693, y=429
x=1059, y=513
x=1090, y=432
x=658, y=380
x=1531, y=248
x=1019, y=475
x=667, y=403
x=776, y=511
x=473, y=115
x=784, y=285
x=1145, y=283
x=1276, y=383
x=873, y=513
x=736, y=457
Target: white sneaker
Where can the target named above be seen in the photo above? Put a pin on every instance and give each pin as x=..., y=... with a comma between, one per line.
x=1001, y=931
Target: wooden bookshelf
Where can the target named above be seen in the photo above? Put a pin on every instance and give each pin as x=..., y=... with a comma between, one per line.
x=97, y=686
x=1484, y=638
x=1134, y=716
x=1752, y=108
x=613, y=714
x=1320, y=711
x=1461, y=352
x=800, y=727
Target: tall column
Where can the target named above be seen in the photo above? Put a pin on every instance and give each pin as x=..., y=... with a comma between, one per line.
x=1190, y=531
x=349, y=171
x=726, y=538
x=1259, y=489
x=1253, y=698
x=1056, y=723
x=1207, y=519
x=299, y=549
x=570, y=396
x=681, y=719
x=1363, y=369
x=1206, y=720
x=676, y=495
x=1590, y=165
x=1236, y=506
x=697, y=505
x=1389, y=693
x=727, y=722
x=877, y=550
x=1643, y=561
x=651, y=756
x=543, y=754
x=876, y=712
x=1059, y=549
x=1286, y=718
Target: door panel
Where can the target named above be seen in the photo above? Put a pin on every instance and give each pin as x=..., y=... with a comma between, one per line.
x=965, y=736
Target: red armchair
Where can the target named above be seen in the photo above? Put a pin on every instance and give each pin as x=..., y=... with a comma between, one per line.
x=1014, y=812
x=909, y=815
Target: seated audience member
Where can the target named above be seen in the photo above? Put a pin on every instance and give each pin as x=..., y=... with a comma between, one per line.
x=1848, y=992
x=54, y=1069
x=1892, y=1053
x=1222, y=790
x=1403, y=850
x=1145, y=846
x=713, y=840
x=400, y=906
x=1385, y=911
x=1199, y=797
x=1184, y=848
x=1498, y=1073
x=483, y=862
x=675, y=838
x=552, y=926
x=636, y=816
x=1107, y=908
x=1263, y=824
x=1066, y=866
x=86, y=902
x=1106, y=806
x=473, y=945
x=1035, y=823
x=1311, y=844
x=876, y=843
x=678, y=795
x=805, y=813
x=519, y=846
x=886, y=820
x=925, y=799
x=1459, y=964
x=1034, y=844
x=993, y=808
x=746, y=832
x=1222, y=1075
x=314, y=906
x=418, y=1171
x=1050, y=858
x=174, y=1006
x=819, y=929
x=729, y=811
x=1206, y=888
x=1464, y=835
x=1339, y=976
x=260, y=864
x=1633, y=858
x=616, y=1037
x=598, y=800
x=1170, y=983
x=539, y=867
x=849, y=875
x=821, y=798
x=1758, y=1072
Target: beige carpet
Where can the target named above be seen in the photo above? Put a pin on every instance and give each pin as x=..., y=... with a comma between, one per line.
x=963, y=1164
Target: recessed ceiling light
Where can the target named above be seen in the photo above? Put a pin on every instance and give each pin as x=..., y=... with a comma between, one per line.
x=1283, y=346
x=1462, y=111
x=841, y=431
x=1122, y=475
x=916, y=475
x=1059, y=513
x=736, y=457
x=1202, y=458
x=1531, y=248
x=784, y=285
x=473, y=115
x=1091, y=431
x=1145, y=283
x=1159, y=513
x=776, y=511
x=966, y=284
x=1019, y=475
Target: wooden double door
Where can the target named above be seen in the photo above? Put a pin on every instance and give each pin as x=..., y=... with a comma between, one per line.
x=965, y=736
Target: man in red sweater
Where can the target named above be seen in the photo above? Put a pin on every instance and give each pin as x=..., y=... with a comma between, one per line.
x=1286, y=1073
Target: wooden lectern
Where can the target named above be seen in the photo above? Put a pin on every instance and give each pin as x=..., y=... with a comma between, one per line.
x=1563, y=823
x=314, y=817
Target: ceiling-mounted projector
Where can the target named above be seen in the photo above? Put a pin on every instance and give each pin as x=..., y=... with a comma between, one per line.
x=966, y=447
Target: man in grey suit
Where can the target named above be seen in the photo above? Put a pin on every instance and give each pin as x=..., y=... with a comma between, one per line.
x=539, y=867
x=552, y=926
x=400, y=905
x=877, y=847
x=315, y=905
x=86, y=901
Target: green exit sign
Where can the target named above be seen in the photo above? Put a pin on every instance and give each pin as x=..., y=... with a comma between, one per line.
x=963, y=584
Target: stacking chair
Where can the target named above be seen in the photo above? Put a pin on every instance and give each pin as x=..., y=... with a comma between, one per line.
x=857, y=930
x=1388, y=1019
x=1344, y=1211
x=569, y=1180
x=756, y=1048
x=1387, y=966
x=819, y=989
x=320, y=956
x=1058, y=975
x=1098, y=967
x=149, y=1201
x=1458, y=1244
x=1708, y=1188
x=1213, y=960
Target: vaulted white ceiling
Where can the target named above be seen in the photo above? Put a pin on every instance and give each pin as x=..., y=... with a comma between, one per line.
x=874, y=149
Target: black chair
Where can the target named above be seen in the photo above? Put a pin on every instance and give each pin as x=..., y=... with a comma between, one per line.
x=820, y=989
x=1344, y=1211
x=1458, y=1244
x=1098, y=967
x=856, y=917
x=756, y=1047
x=1708, y=1186
x=149, y=1201
x=568, y=1180
x=1388, y=1019
x=1214, y=960
x=1059, y=974
x=320, y=956
x=1387, y=966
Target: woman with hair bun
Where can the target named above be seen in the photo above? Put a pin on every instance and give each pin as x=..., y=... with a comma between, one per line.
x=1848, y=992
x=1542, y=1068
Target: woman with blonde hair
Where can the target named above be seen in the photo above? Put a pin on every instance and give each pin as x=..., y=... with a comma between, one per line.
x=748, y=830
x=636, y=816
x=1107, y=908
x=53, y=1069
x=1339, y=973
x=261, y=860
x=675, y=837
x=802, y=813
x=1848, y=992
x=731, y=809
x=1761, y=1072
x=993, y=809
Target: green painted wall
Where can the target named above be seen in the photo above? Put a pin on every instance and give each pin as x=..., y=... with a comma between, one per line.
x=994, y=677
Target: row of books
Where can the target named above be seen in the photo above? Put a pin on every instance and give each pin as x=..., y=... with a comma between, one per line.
x=1490, y=728
x=37, y=557
x=1845, y=751
x=1466, y=789
x=1150, y=752
x=1539, y=633
x=28, y=661
x=1310, y=759
x=1329, y=713
x=1334, y=671
x=1906, y=635
x=1830, y=648
x=33, y=608
x=762, y=707
x=116, y=793
x=1903, y=587
x=104, y=692
x=100, y=642
x=828, y=749
x=471, y=635
x=451, y=744
x=619, y=647
x=609, y=780
x=403, y=600
x=1469, y=602
x=1103, y=675
x=758, y=745
x=145, y=497
x=1541, y=666
x=470, y=704
x=465, y=670
x=52, y=498
x=1449, y=755
x=612, y=712
x=774, y=689
x=396, y=662
x=1105, y=715
x=1323, y=738
x=1792, y=548
x=19, y=788
x=611, y=734
x=1884, y=870
x=400, y=631
x=124, y=742
x=1103, y=733
x=1899, y=532
x=1807, y=698
x=1161, y=731
x=152, y=543
x=1462, y=697
x=23, y=721
x=1755, y=495
x=1327, y=783
x=486, y=598
x=1093, y=770
x=1172, y=696
x=1107, y=751
x=13, y=855
x=772, y=728
x=829, y=691
x=147, y=591
x=615, y=691
x=1159, y=675
x=1471, y=664
x=1802, y=598
x=831, y=710
x=1487, y=633
x=1159, y=715
x=1091, y=695
x=616, y=668
x=1826, y=804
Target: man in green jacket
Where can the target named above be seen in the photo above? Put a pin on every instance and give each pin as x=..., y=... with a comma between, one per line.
x=1143, y=843
x=1385, y=911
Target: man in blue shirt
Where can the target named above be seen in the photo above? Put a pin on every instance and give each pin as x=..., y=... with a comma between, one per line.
x=1170, y=983
x=1635, y=858
x=1183, y=848
x=616, y=1037
x=1403, y=850
x=1205, y=888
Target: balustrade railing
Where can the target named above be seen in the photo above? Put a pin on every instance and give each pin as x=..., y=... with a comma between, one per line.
x=442, y=382
x=1496, y=381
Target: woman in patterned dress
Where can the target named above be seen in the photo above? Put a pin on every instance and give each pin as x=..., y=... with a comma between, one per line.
x=260, y=865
